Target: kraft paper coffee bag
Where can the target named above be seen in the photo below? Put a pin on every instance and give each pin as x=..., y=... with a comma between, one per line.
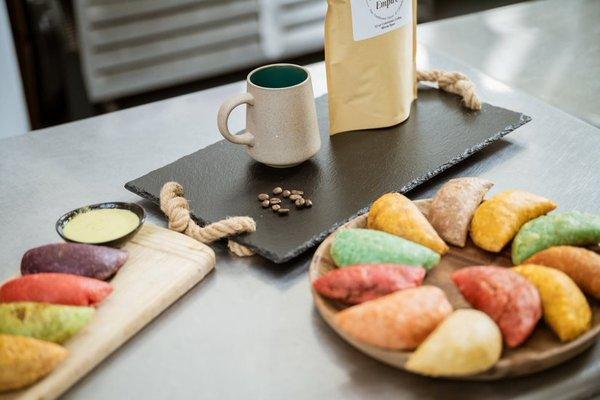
x=370, y=50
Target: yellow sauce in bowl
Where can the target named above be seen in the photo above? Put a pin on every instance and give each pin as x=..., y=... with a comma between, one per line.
x=100, y=225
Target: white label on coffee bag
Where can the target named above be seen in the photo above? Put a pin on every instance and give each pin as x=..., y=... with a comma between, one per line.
x=372, y=18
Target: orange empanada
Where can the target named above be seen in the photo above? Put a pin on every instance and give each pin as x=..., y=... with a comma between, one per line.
x=582, y=265
x=398, y=321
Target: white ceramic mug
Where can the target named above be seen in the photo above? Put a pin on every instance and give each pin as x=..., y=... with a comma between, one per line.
x=281, y=118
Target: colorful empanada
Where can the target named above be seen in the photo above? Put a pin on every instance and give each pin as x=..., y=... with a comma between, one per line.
x=55, y=288
x=568, y=228
x=366, y=246
x=582, y=265
x=566, y=309
x=51, y=322
x=507, y=297
x=394, y=213
x=359, y=283
x=24, y=360
x=398, y=321
x=497, y=220
x=466, y=343
x=453, y=207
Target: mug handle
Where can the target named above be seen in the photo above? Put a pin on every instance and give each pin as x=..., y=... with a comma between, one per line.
x=245, y=138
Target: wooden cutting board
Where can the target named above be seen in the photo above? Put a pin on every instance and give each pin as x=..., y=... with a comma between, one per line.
x=162, y=266
x=541, y=351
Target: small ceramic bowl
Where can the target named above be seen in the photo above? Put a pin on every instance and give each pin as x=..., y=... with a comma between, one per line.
x=137, y=210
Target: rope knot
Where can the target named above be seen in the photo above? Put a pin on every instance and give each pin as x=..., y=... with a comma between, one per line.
x=177, y=210
x=453, y=82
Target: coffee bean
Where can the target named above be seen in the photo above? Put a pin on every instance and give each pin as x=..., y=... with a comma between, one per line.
x=286, y=193
x=308, y=203
x=283, y=211
x=265, y=203
x=275, y=200
x=300, y=202
x=263, y=196
x=277, y=190
x=275, y=207
x=295, y=197
x=300, y=192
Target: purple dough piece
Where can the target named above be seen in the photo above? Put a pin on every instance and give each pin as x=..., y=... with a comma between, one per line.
x=99, y=262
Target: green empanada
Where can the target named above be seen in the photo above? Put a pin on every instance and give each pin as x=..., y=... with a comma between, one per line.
x=568, y=228
x=366, y=246
x=50, y=322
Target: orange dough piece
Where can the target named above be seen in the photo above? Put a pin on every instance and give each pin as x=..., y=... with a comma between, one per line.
x=399, y=321
x=581, y=265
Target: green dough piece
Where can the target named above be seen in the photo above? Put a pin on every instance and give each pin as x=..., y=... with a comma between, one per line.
x=50, y=322
x=365, y=246
x=568, y=228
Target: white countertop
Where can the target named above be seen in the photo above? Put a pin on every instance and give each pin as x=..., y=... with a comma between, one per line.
x=249, y=330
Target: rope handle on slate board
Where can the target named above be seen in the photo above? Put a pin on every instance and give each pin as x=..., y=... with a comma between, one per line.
x=177, y=210
x=453, y=82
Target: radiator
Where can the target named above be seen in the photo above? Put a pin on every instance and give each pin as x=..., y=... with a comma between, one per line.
x=133, y=46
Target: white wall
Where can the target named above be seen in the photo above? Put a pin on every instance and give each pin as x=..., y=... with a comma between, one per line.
x=13, y=112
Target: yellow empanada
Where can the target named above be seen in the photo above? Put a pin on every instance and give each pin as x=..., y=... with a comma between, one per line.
x=498, y=219
x=25, y=360
x=394, y=213
x=565, y=308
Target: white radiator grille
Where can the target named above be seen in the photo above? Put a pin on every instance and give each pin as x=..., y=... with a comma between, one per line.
x=131, y=46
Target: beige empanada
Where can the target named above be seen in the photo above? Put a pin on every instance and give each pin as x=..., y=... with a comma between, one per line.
x=466, y=343
x=453, y=207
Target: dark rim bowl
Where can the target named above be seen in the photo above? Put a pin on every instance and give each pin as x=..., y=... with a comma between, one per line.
x=137, y=210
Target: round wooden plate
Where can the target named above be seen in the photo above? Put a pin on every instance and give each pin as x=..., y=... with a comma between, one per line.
x=542, y=350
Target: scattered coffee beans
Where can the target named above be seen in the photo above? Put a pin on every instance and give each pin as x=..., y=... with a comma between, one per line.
x=276, y=204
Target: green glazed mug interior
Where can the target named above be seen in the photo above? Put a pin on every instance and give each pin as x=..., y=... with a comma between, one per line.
x=278, y=76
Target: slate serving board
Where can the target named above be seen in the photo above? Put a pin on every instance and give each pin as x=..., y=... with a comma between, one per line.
x=350, y=171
